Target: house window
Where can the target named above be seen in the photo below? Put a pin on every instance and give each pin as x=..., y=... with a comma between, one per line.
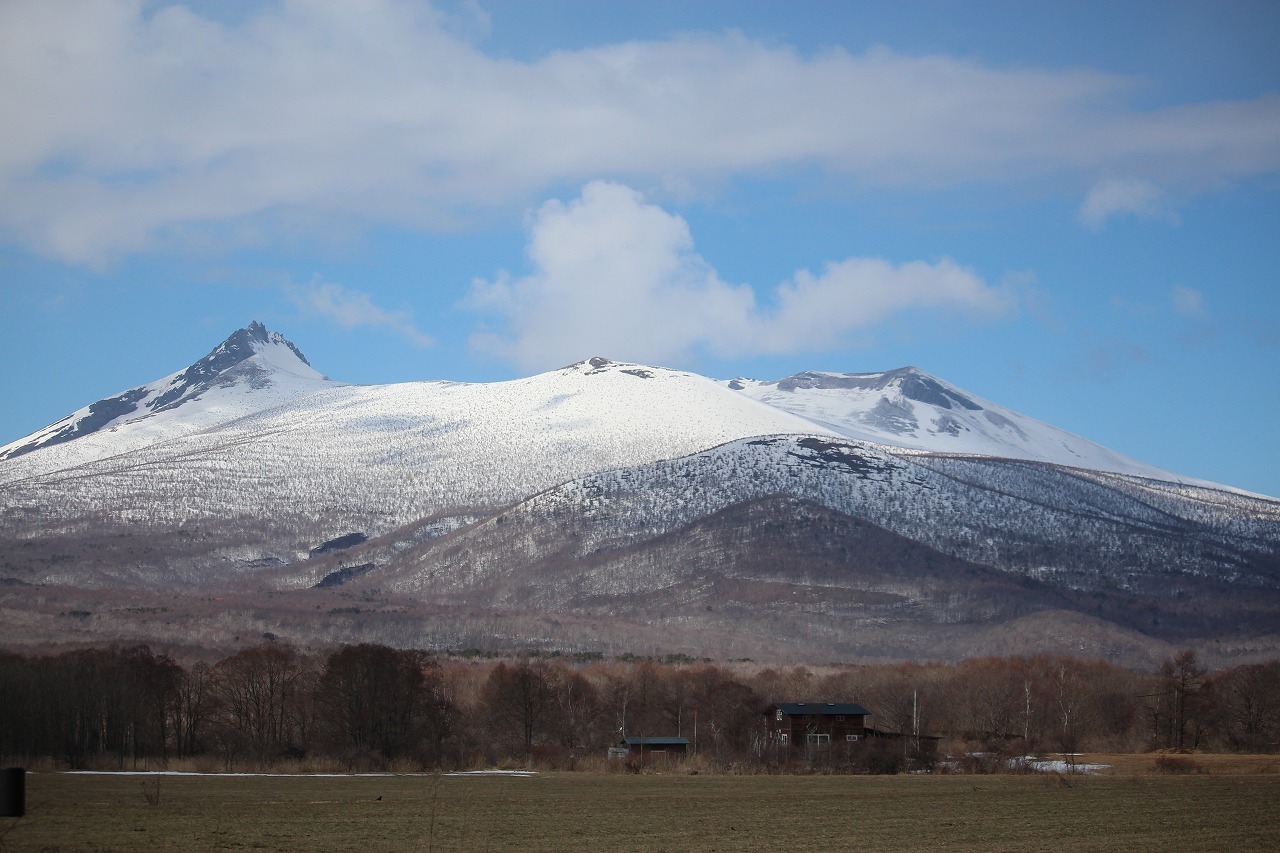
x=819, y=738
x=850, y=737
x=783, y=738
x=840, y=717
x=778, y=714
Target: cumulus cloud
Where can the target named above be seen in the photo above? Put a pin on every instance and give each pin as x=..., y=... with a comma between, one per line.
x=1132, y=197
x=130, y=124
x=860, y=292
x=613, y=274
x=354, y=309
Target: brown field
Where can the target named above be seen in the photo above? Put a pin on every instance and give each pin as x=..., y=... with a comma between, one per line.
x=1220, y=803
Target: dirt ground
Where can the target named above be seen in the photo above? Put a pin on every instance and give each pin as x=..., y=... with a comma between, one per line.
x=1223, y=803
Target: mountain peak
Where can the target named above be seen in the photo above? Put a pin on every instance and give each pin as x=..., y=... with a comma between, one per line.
x=251, y=360
x=599, y=365
x=244, y=343
x=909, y=407
x=597, y=362
x=241, y=346
x=911, y=382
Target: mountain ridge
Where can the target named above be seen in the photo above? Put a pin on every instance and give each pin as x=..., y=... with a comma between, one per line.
x=910, y=408
x=904, y=407
x=605, y=491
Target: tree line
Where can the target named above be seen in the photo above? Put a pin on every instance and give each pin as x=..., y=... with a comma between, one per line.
x=368, y=706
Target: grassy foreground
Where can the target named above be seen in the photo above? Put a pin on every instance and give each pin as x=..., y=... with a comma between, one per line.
x=609, y=812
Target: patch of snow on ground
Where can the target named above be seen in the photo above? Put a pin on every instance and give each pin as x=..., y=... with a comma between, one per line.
x=1055, y=765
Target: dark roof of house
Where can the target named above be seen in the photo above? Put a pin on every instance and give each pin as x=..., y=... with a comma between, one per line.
x=819, y=709
x=656, y=741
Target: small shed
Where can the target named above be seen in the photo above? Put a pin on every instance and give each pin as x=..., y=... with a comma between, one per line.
x=648, y=747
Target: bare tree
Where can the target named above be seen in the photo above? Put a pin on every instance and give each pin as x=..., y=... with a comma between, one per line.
x=190, y=708
x=1250, y=698
x=726, y=712
x=1073, y=704
x=577, y=709
x=1186, y=695
x=516, y=699
x=373, y=699
x=261, y=703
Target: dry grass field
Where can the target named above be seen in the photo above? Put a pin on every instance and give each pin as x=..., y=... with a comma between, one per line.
x=1232, y=804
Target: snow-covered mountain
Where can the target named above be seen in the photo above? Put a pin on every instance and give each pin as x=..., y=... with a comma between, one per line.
x=251, y=370
x=389, y=452
x=810, y=507
x=593, y=415
x=910, y=408
x=607, y=420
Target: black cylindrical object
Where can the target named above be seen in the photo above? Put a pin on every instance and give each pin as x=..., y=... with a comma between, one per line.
x=13, y=792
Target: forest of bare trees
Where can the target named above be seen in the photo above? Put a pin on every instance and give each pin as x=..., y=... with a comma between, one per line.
x=367, y=707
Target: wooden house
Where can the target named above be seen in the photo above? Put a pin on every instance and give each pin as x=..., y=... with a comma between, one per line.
x=815, y=723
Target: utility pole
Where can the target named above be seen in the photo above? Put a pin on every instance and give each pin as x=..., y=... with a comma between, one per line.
x=1178, y=716
x=1026, y=716
x=916, y=699
x=915, y=718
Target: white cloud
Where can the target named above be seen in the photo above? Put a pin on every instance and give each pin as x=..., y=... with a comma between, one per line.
x=821, y=310
x=353, y=309
x=129, y=124
x=613, y=275
x=1133, y=197
x=1188, y=302
x=617, y=276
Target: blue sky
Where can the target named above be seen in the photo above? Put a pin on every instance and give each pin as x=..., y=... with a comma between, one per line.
x=1071, y=209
